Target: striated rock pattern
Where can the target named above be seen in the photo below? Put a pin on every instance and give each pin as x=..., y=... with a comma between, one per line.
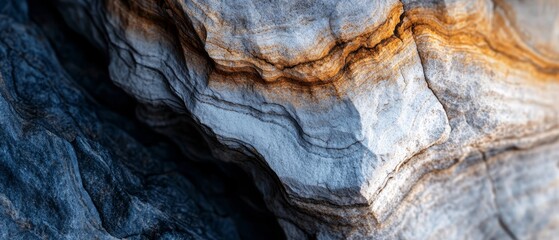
x=357, y=118
x=386, y=119
x=72, y=168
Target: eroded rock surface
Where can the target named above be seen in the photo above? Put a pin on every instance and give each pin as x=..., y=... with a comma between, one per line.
x=72, y=168
x=356, y=119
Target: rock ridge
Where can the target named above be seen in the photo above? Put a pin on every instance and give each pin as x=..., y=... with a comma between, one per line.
x=345, y=128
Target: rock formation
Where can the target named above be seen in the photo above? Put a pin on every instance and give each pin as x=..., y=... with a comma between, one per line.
x=355, y=119
x=73, y=168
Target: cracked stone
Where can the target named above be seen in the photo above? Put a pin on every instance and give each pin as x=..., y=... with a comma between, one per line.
x=354, y=119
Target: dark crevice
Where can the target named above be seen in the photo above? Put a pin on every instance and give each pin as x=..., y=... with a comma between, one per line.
x=396, y=31
x=500, y=219
x=234, y=191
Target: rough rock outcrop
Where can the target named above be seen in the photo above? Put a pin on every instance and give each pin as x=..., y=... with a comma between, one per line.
x=356, y=119
x=356, y=108
x=71, y=168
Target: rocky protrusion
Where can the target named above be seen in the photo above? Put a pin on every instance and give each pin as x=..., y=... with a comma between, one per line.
x=356, y=118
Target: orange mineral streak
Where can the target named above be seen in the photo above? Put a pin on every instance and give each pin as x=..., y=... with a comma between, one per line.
x=493, y=38
x=324, y=69
x=137, y=18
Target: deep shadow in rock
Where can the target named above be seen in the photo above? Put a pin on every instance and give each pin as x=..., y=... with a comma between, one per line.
x=232, y=193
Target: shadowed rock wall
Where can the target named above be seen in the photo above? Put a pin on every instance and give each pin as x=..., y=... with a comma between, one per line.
x=75, y=165
x=355, y=119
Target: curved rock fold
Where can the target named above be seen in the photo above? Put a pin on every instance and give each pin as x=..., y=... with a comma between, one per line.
x=356, y=119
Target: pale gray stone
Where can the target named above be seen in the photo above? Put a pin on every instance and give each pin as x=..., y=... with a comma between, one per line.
x=357, y=119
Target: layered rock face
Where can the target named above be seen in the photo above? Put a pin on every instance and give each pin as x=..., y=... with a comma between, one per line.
x=356, y=119
x=74, y=165
x=408, y=119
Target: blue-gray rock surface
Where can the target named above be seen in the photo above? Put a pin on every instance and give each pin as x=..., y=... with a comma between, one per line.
x=73, y=167
x=411, y=119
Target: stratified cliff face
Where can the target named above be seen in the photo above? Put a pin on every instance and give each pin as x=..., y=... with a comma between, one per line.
x=356, y=119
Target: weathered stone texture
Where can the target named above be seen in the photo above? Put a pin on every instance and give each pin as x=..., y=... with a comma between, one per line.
x=71, y=168
x=356, y=119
